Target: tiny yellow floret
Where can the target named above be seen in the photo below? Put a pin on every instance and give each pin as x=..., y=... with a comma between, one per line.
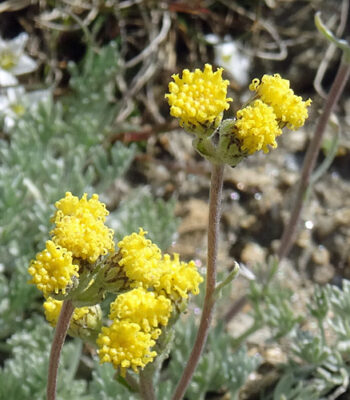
x=72, y=205
x=290, y=110
x=84, y=319
x=145, y=266
x=80, y=227
x=147, y=309
x=198, y=99
x=178, y=278
x=52, y=309
x=53, y=269
x=125, y=346
x=140, y=259
x=256, y=128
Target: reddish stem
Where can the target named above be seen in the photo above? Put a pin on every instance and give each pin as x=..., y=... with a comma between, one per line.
x=288, y=236
x=56, y=347
x=209, y=300
x=311, y=157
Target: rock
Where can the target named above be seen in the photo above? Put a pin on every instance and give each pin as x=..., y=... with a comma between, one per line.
x=325, y=225
x=191, y=245
x=195, y=216
x=304, y=238
x=289, y=178
x=247, y=221
x=159, y=172
x=324, y=274
x=233, y=215
x=270, y=197
x=342, y=216
x=321, y=256
x=179, y=145
x=295, y=141
x=253, y=253
x=274, y=355
x=244, y=177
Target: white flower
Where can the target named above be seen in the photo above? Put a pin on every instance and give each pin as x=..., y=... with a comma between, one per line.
x=231, y=58
x=16, y=101
x=13, y=60
x=6, y=79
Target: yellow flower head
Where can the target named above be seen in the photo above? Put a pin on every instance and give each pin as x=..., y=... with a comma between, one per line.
x=178, y=278
x=139, y=258
x=139, y=314
x=198, y=99
x=85, y=320
x=144, y=308
x=80, y=227
x=72, y=205
x=125, y=346
x=290, y=109
x=53, y=269
x=52, y=309
x=143, y=264
x=256, y=128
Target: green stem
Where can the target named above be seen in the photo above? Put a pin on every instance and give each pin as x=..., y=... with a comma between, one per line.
x=230, y=277
x=340, y=43
x=56, y=347
x=323, y=334
x=209, y=300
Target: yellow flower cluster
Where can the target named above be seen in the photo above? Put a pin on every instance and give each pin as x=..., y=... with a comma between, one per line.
x=141, y=313
x=257, y=128
x=290, y=109
x=85, y=320
x=80, y=227
x=140, y=259
x=155, y=282
x=178, y=278
x=53, y=269
x=198, y=99
x=143, y=263
x=125, y=346
x=79, y=234
x=147, y=309
x=258, y=124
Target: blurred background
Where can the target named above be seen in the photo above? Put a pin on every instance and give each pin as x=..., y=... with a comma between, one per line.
x=82, y=109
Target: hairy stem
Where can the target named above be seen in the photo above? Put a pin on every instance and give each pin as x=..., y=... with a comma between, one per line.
x=57, y=344
x=288, y=236
x=132, y=382
x=311, y=157
x=209, y=300
x=146, y=386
